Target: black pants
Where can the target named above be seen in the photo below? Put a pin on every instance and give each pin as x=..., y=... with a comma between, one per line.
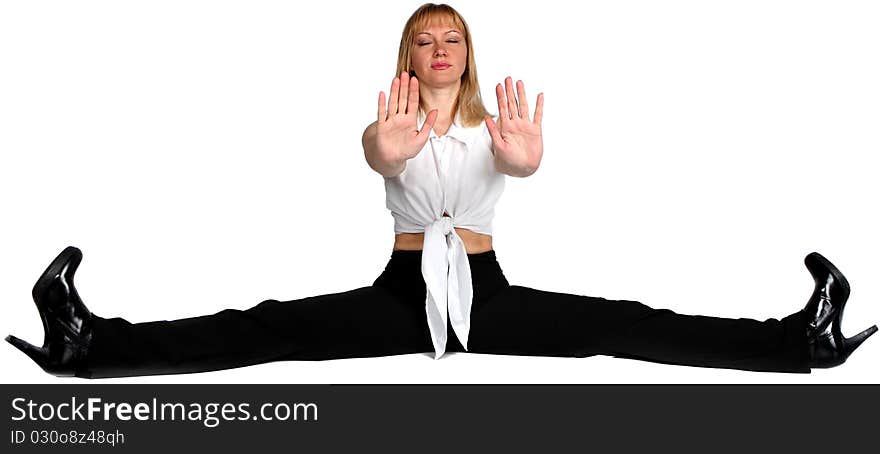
x=388, y=318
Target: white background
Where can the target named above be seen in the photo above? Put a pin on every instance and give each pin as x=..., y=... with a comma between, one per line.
x=206, y=155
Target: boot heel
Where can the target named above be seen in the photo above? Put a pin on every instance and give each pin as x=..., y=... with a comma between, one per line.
x=849, y=345
x=37, y=354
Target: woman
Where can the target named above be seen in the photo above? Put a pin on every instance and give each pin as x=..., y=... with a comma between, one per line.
x=444, y=161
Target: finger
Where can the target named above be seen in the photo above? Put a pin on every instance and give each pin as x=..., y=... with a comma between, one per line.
x=523, y=101
x=392, y=97
x=383, y=113
x=511, y=99
x=412, y=106
x=539, y=109
x=404, y=93
x=502, y=103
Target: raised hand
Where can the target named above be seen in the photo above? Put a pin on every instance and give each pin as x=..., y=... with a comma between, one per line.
x=516, y=139
x=397, y=128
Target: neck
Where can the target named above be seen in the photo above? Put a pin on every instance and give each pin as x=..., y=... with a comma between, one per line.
x=440, y=98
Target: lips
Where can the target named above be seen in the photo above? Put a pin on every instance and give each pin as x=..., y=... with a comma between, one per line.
x=440, y=65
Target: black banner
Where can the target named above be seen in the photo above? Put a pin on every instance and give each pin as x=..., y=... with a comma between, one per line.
x=415, y=418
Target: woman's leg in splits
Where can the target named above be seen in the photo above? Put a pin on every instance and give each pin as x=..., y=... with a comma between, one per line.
x=378, y=320
x=516, y=320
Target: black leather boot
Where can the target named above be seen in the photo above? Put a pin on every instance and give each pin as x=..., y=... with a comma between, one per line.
x=828, y=347
x=67, y=323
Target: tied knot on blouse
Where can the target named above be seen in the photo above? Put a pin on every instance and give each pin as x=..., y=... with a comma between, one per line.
x=446, y=225
x=448, y=286
x=452, y=174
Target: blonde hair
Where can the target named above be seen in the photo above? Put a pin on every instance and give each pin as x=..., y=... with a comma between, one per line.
x=469, y=104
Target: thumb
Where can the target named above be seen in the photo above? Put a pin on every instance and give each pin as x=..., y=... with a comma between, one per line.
x=430, y=119
x=493, y=129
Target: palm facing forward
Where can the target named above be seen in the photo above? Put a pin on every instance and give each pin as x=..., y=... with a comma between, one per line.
x=516, y=139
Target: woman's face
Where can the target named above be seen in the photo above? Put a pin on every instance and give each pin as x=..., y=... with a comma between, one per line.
x=439, y=55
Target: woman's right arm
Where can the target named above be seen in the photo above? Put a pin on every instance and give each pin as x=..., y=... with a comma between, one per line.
x=393, y=138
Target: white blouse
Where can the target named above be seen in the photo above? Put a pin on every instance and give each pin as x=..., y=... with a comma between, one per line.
x=453, y=174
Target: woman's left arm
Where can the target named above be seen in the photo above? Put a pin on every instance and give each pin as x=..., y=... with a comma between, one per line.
x=516, y=140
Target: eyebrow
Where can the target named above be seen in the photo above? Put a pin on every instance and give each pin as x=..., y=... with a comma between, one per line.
x=450, y=31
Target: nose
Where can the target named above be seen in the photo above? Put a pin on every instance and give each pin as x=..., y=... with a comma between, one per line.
x=439, y=51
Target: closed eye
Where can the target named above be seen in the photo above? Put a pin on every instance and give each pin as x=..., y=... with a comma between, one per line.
x=449, y=41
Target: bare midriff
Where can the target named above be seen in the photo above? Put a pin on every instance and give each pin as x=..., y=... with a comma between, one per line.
x=474, y=243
